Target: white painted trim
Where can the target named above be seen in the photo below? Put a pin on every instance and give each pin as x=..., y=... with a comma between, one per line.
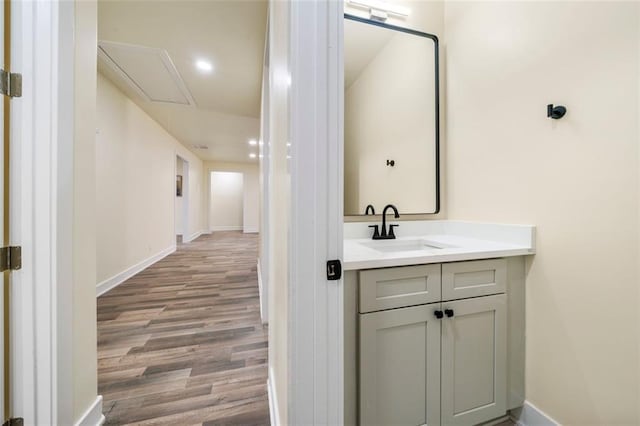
x=263, y=297
x=38, y=125
x=251, y=230
x=274, y=414
x=225, y=228
x=316, y=378
x=193, y=236
x=121, y=277
x=530, y=415
x=93, y=416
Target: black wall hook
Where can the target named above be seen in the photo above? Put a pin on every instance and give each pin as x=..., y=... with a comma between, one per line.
x=391, y=163
x=556, y=112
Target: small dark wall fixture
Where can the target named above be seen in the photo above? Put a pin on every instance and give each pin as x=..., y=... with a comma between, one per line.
x=178, y=185
x=556, y=112
x=391, y=163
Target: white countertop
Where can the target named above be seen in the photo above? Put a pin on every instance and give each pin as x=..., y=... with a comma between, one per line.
x=456, y=240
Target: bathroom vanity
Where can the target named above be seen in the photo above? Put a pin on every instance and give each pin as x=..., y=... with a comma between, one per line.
x=434, y=311
x=434, y=323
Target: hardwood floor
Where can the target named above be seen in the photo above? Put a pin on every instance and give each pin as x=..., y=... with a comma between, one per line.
x=182, y=343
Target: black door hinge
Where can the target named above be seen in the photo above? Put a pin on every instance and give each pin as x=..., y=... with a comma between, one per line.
x=334, y=270
x=17, y=421
x=10, y=84
x=10, y=258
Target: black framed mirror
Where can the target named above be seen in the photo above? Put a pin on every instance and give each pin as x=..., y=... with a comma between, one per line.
x=391, y=118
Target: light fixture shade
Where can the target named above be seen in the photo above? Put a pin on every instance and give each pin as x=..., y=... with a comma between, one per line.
x=392, y=9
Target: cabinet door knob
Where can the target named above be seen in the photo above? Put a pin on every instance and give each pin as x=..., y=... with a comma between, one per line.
x=438, y=314
x=448, y=312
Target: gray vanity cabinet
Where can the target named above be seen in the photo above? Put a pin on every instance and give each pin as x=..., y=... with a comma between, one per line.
x=433, y=360
x=400, y=353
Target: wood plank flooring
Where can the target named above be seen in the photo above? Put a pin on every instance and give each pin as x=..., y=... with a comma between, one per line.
x=181, y=342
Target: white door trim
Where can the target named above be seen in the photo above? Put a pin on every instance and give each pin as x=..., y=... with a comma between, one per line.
x=316, y=315
x=40, y=365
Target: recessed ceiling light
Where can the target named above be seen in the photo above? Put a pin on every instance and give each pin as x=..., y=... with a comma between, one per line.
x=204, y=66
x=253, y=142
x=252, y=155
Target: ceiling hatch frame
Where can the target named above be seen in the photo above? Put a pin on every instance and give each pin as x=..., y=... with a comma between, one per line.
x=108, y=49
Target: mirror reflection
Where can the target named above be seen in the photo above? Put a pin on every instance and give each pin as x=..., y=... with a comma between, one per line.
x=390, y=118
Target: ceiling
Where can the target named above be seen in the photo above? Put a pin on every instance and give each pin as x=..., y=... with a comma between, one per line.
x=362, y=42
x=230, y=34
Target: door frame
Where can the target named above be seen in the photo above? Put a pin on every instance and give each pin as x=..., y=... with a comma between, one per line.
x=186, y=236
x=316, y=323
x=43, y=35
x=41, y=159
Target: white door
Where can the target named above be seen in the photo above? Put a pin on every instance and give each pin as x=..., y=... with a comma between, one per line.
x=474, y=361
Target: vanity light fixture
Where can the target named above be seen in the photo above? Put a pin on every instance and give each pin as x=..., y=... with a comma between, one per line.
x=379, y=10
x=253, y=142
x=204, y=66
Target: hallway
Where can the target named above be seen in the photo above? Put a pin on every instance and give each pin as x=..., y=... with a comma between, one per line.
x=182, y=341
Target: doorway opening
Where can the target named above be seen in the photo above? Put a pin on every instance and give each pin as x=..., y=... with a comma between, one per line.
x=180, y=334
x=226, y=207
x=181, y=225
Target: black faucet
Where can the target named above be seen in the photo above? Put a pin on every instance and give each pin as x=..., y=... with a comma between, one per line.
x=369, y=207
x=384, y=235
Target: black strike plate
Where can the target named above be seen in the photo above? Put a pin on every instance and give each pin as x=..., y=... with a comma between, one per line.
x=334, y=270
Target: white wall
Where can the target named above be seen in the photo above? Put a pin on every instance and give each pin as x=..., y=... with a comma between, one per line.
x=179, y=212
x=576, y=179
x=226, y=200
x=251, y=190
x=385, y=119
x=85, y=357
x=135, y=168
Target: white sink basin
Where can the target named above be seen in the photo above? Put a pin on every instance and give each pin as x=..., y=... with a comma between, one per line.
x=390, y=246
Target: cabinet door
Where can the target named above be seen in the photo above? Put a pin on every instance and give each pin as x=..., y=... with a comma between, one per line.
x=400, y=367
x=474, y=364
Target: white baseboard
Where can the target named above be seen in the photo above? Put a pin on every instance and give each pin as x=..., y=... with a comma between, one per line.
x=226, y=228
x=263, y=303
x=118, y=279
x=93, y=416
x=192, y=237
x=274, y=414
x=252, y=230
x=530, y=415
